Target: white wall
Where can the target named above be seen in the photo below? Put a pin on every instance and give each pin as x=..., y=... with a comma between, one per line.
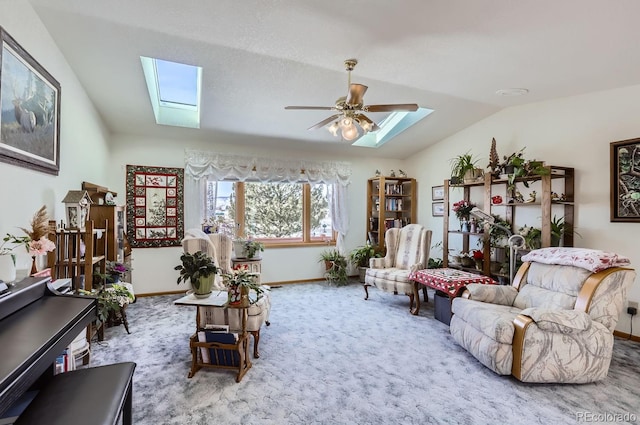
x=573, y=132
x=153, y=267
x=83, y=139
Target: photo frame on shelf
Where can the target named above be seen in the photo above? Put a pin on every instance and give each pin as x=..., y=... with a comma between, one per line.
x=437, y=193
x=30, y=110
x=155, y=206
x=437, y=209
x=625, y=181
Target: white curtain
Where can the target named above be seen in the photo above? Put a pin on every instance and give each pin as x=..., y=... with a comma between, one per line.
x=201, y=165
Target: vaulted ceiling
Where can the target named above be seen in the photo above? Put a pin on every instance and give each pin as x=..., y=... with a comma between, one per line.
x=261, y=55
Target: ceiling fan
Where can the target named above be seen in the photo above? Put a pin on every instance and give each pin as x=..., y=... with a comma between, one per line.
x=350, y=119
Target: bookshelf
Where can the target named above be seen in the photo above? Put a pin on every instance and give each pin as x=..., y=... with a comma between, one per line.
x=391, y=202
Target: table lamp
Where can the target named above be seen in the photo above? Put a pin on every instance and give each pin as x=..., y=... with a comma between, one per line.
x=515, y=242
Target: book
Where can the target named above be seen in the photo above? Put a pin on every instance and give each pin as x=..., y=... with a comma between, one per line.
x=219, y=356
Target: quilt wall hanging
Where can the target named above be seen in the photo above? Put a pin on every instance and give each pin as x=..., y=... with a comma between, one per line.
x=155, y=206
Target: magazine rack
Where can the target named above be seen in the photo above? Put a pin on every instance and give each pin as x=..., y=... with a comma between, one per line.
x=222, y=350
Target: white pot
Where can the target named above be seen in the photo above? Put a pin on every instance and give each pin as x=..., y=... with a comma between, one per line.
x=7, y=268
x=238, y=248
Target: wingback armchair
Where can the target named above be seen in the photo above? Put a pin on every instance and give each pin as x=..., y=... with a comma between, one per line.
x=555, y=322
x=219, y=247
x=407, y=251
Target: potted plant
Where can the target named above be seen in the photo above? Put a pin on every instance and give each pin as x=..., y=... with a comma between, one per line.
x=360, y=257
x=335, y=266
x=558, y=229
x=247, y=248
x=200, y=270
x=239, y=282
x=115, y=270
x=463, y=169
x=110, y=300
x=532, y=236
x=516, y=166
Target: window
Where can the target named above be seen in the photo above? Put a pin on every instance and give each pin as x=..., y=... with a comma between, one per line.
x=272, y=212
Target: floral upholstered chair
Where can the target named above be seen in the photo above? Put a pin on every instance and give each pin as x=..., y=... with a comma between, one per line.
x=407, y=251
x=219, y=247
x=555, y=322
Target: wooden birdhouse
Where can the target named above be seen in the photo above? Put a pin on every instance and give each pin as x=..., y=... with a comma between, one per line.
x=76, y=205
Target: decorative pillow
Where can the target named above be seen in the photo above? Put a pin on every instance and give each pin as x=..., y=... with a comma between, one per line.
x=590, y=259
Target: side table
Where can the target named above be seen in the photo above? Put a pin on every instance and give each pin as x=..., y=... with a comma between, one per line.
x=225, y=355
x=253, y=265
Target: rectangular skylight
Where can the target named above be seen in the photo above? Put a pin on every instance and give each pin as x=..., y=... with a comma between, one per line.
x=174, y=91
x=391, y=126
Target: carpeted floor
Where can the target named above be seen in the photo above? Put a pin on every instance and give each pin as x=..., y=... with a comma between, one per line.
x=330, y=357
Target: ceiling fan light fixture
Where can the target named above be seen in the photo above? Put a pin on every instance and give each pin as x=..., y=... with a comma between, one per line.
x=366, y=126
x=333, y=128
x=346, y=122
x=350, y=133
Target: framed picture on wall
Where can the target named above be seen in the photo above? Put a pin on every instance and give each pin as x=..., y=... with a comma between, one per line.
x=625, y=180
x=437, y=209
x=30, y=110
x=437, y=193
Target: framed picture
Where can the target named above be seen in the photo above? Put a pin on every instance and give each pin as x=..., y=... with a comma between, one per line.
x=437, y=193
x=625, y=180
x=155, y=206
x=437, y=209
x=29, y=110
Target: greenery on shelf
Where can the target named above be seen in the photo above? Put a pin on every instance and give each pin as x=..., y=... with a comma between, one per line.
x=460, y=165
x=559, y=228
x=336, y=267
x=516, y=166
x=252, y=247
x=194, y=266
x=435, y=263
x=532, y=236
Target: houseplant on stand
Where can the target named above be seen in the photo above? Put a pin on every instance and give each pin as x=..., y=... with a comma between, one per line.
x=463, y=169
x=115, y=271
x=247, y=248
x=200, y=270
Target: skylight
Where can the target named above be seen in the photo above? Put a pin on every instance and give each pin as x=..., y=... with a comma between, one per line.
x=390, y=127
x=174, y=91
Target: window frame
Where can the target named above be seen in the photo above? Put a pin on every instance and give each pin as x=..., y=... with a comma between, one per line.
x=307, y=239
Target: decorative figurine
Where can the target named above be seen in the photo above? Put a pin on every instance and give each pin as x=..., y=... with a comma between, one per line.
x=402, y=173
x=392, y=173
x=554, y=196
x=377, y=173
x=496, y=200
x=531, y=198
x=518, y=198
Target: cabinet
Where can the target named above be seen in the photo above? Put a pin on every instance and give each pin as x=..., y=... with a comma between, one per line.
x=554, y=200
x=112, y=218
x=391, y=202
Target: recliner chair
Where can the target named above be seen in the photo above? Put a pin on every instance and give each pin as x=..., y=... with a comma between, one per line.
x=407, y=251
x=219, y=247
x=555, y=322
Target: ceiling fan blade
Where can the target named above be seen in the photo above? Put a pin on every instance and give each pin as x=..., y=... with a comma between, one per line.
x=374, y=126
x=324, y=122
x=390, y=108
x=317, y=108
x=356, y=93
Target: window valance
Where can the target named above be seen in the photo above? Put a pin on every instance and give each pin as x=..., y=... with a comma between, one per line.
x=221, y=166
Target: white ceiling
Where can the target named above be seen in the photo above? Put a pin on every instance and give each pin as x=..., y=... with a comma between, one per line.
x=261, y=55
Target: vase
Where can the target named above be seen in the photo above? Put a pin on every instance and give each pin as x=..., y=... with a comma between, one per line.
x=7, y=268
x=204, y=286
x=237, y=294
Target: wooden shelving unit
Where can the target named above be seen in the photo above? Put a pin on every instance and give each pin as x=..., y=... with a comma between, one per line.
x=391, y=202
x=112, y=218
x=545, y=203
x=79, y=254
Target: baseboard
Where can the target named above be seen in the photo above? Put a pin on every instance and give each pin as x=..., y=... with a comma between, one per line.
x=624, y=335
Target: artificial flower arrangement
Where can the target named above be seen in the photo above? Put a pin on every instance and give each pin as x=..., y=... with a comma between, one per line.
x=36, y=241
x=462, y=209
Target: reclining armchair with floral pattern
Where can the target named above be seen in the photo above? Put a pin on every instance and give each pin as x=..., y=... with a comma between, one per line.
x=555, y=322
